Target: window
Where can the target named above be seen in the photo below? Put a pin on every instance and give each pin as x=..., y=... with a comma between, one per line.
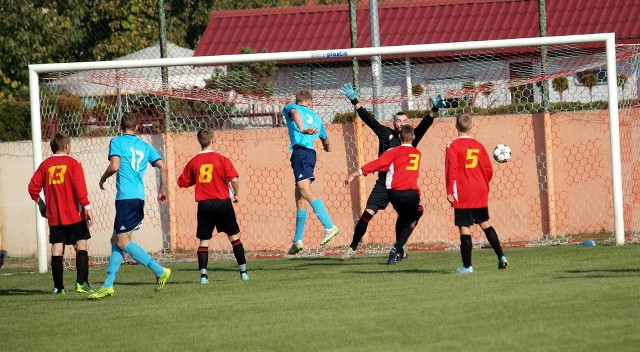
x=600, y=73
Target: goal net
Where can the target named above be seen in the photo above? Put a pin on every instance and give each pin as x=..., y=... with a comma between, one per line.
x=551, y=104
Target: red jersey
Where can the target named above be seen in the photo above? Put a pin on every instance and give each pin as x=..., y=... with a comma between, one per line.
x=402, y=165
x=467, y=172
x=210, y=172
x=65, y=189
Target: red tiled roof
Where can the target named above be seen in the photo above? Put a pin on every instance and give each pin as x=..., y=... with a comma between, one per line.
x=417, y=22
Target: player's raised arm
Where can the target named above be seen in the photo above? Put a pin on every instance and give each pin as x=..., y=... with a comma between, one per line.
x=298, y=120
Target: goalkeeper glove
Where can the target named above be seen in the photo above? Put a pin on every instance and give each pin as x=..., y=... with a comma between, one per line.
x=437, y=102
x=350, y=92
x=42, y=207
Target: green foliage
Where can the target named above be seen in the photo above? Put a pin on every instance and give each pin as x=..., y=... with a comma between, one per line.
x=590, y=80
x=245, y=78
x=15, y=120
x=621, y=80
x=417, y=89
x=487, y=88
x=560, y=84
x=344, y=117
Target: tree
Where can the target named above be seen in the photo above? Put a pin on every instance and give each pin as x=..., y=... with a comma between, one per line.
x=245, y=78
x=560, y=84
x=416, y=91
x=487, y=89
x=621, y=81
x=589, y=80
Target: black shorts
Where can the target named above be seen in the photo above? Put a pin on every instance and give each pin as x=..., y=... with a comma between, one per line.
x=468, y=217
x=216, y=214
x=129, y=215
x=406, y=204
x=69, y=234
x=379, y=198
x=303, y=162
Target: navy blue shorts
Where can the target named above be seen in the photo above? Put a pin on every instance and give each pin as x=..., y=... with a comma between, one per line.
x=129, y=215
x=69, y=234
x=468, y=217
x=303, y=161
x=216, y=214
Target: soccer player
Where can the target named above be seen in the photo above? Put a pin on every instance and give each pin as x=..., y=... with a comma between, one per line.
x=304, y=127
x=128, y=158
x=468, y=172
x=212, y=174
x=387, y=138
x=401, y=165
x=67, y=209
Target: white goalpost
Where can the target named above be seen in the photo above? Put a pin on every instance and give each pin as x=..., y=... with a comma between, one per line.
x=501, y=80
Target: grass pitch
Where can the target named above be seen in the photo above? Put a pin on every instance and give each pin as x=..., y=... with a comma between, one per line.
x=562, y=298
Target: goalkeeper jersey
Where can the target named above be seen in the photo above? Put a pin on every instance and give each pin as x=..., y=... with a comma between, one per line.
x=211, y=173
x=468, y=171
x=65, y=190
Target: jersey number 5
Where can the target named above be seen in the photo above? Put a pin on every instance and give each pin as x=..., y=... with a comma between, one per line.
x=472, y=158
x=206, y=173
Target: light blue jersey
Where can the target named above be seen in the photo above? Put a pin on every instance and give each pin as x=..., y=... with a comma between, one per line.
x=134, y=155
x=309, y=119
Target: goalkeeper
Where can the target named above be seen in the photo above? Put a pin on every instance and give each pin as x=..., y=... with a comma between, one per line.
x=387, y=138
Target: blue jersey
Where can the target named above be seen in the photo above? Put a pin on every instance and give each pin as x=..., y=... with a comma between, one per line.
x=309, y=119
x=134, y=155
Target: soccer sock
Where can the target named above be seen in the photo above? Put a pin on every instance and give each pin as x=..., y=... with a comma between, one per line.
x=238, y=252
x=82, y=267
x=492, y=237
x=115, y=260
x=203, y=260
x=465, y=250
x=321, y=213
x=57, y=271
x=138, y=253
x=301, y=221
x=402, y=239
x=360, y=230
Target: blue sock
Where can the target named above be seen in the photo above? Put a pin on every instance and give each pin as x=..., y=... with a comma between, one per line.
x=321, y=212
x=138, y=253
x=301, y=220
x=115, y=260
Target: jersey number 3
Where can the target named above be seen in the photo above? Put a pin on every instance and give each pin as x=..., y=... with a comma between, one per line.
x=414, y=160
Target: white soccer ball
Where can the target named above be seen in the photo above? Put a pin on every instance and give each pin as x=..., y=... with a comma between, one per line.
x=502, y=153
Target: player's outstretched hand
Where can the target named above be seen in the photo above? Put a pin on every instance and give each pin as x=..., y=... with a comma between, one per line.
x=349, y=92
x=437, y=102
x=348, y=180
x=42, y=207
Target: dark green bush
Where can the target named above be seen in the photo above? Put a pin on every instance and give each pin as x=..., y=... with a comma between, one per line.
x=15, y=121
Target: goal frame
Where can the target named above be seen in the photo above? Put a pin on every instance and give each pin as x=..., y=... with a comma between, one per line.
x=35, y=70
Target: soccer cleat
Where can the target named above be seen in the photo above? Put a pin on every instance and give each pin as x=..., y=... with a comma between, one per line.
x=162, y=280
x=348, y=254
x=101, y=293
x=437, y=102
x=503, y=263
x=329, y=234
x=3, y=254
x=295, y=248
x=402, y=256
x=464, y=270
x=204, y=280
x=394, y=257
x=244, y=276
x=84, y=288
x=62, y=291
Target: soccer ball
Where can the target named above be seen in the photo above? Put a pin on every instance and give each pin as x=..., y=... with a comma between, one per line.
x=502, y=153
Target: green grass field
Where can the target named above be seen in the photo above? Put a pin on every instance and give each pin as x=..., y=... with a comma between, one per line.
x=562, y=298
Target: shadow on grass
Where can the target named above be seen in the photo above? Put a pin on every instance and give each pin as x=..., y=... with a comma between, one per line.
x=21, y=292
x=401, y=271
x=600, y=273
